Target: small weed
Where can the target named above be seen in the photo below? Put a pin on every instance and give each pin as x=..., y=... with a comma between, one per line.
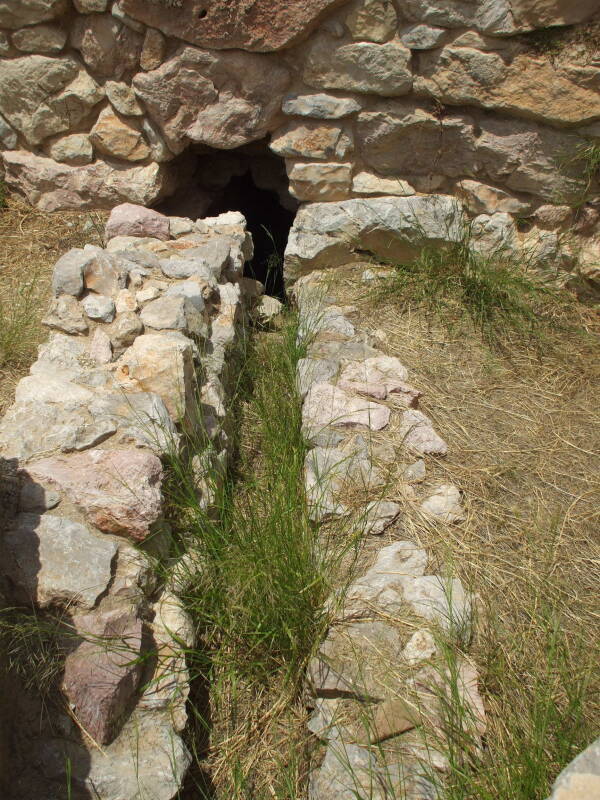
x=19, y=323
x=585, y=162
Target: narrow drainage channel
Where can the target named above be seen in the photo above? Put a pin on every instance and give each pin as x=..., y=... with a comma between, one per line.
x=257, y=599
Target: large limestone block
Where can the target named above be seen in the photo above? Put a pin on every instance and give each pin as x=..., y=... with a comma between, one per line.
x=117, y=137
x=41, y=96
x=528, y=86
x=365, y=67
x=17, y=13
x=108, y=47
x=263, y=25
x=224, y=100
x=523, y=157
x=52, y=186
x=131, y=220
x=50, y=559
x=118, y=491
x=409, y=141
x=325, y=234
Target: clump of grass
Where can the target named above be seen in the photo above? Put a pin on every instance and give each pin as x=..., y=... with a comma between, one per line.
x=585, y=163
x=19, y=322
x=502, y=296
x=32, y=648
x=258, y=584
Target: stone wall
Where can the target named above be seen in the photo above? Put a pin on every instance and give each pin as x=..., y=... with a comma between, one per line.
x=98, y=99
x=139, y=353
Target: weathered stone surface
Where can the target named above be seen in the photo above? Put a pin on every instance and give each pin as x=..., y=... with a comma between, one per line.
x=347, y=771
x=65, y=314
x=125, y=301
x=419, y=436
x=123, y=99
x=371, y=184
x=102, y=674
x=355, y=661
x=8, y=137
x=440, y=600
x=494, y=233
x=372, y=20
x=109, y=48
x=206, y=260
x=103, y=272
x=376, y=377
x=67, y=277
x=264, y=26
x=379, y=515
x=422, y=37
x=17, y=13
x=314, y=370
x=117, y=490
x=90, y=6
x=41, y=95
x=147, y=759
x=52, y=560
x=128, y=219
x=415, y=472
x=222, y=100
x=420, y=647
x=124, y=330
x=320, y=106
x=100, y=347
x=114, y=136
x=75, y=149
x=545, y=13
x=99, y=307
x=52, y=186
x=325, y=406
x=444, y=505
x=367, y=68
x=325, y=234
x=522, y=156
x=529, y=86
x=408, y=141
x=40, y=39
x=489, y=16
x=311, y=140
x=164, y=364
x=165, y=313
x=330, y=473
x=153, y=50
x=318, y=182
x=580, y=780
x=480, y=198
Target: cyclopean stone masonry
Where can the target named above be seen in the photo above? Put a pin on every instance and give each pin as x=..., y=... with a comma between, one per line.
x=97, y=99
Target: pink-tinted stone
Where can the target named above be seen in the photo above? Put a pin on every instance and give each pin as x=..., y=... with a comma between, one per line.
x=102, y=674
x=129, y=219
x=260, y=25
x=419, y=436
x=117, y=490
x=327, y=405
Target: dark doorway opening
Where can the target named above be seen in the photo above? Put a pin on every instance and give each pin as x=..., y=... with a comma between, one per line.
x=251, y=180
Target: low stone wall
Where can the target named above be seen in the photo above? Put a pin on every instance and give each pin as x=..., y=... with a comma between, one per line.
x=383, y=687
x=361, y=98
x=141, y=343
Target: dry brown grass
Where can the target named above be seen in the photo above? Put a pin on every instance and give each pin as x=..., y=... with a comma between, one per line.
x=31, y=241
x=524, y=446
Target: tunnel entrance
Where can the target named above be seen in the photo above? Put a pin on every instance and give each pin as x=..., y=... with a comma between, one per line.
x=251, y=180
